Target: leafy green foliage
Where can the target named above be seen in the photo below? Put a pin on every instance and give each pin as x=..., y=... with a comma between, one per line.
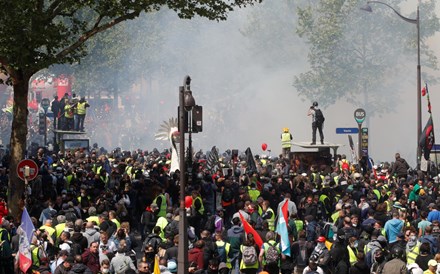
x=354, y=53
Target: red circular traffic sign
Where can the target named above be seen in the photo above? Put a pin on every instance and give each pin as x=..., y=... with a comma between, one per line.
x=27, y=168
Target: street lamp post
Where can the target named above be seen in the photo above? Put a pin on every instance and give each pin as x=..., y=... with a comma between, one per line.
x=419, y=77
x=186, y=102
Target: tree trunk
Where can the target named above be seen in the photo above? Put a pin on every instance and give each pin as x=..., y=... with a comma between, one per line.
x=18, y=142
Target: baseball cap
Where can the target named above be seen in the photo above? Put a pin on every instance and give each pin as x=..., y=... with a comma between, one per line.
x=432, y=263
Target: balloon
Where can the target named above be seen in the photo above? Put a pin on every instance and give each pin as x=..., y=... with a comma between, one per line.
x=264, y=146
x=188, y=201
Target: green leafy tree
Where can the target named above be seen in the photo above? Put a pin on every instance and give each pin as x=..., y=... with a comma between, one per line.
x=36, y=34
x=356, y=56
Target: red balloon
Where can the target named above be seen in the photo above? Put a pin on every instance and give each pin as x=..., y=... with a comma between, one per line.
x=264, y=146
x=188, y=201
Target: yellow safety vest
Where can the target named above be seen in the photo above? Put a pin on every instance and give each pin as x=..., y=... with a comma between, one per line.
x=93, y=218
x=227, y=247
x=118, y=224
x=202, y=208
x=59, y=228
x=352, y=255
x=34, y=255
x=271, y=220
x=285, y=140
x=254, y=194
x=68, y=112
x=49, y=229
x=412, y=254
x=81, y=108
x=299, y=225
x=162, y=206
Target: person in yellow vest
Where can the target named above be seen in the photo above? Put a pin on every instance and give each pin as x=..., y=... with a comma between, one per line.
x=112, y=217
x=268, y=215
x=286, y=138
x=223, y=250
x=254, y=193
x=162, y=202
x=352, y=249
x=68, y=115
x=412, y=247
x=81, y=107
x=162, y=222
x=47, y=226
x=198, y=211
x=92, y=216
x=61, y=219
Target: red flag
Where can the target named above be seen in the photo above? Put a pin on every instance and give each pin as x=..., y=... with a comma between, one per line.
x=424, y=91
x=250, y=230
x=285, y=211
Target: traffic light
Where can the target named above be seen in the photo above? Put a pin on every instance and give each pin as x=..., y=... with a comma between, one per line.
x=197, y=119
x=41, y=123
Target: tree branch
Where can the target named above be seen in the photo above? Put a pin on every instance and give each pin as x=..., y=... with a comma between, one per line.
x=95, y=30
x=53, y=8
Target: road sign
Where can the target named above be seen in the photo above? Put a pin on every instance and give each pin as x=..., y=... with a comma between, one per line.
x=347, y=130
x=359, y=115
x=27, y=168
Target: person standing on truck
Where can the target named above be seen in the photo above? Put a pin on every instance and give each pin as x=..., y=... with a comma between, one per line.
x=286, y=137
x=317, y=122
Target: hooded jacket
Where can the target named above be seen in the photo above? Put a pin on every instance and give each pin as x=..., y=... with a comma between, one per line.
x=392, y=228
x=91, y=235
x=235, y=236
x=80, y=269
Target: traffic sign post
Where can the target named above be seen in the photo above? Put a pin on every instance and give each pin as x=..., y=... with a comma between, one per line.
x=347, y=130
x=359, y=116
x=27, y=170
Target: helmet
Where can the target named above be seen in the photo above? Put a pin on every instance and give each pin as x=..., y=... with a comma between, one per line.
x=315, y=104
x=397, y=252
x=321, y=239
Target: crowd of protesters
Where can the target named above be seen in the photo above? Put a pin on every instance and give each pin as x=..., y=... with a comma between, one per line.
x=93, y=209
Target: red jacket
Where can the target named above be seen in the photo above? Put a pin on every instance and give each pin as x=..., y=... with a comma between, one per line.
x=195, y=256
x=91, y=260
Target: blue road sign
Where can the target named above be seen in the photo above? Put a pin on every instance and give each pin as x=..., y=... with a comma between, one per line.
x=347, y=130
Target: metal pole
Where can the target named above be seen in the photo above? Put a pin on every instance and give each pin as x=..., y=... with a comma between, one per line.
x=359, y=142
x=190, y=160
x=182, y=257
x=45, y=128
x=419, y=88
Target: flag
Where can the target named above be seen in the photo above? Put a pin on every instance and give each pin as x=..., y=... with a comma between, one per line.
x=212, y=162
x=25, y=232
x=427, y=139
x=250, y=161
x=282, y=229
x=156, y=265
x=426, y=92
x=250, y=230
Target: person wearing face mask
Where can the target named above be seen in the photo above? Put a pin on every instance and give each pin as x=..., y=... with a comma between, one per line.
x=412, y=248
x=105, y=267
x=379, y=262
x=352, y=249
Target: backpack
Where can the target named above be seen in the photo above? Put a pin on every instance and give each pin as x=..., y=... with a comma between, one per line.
x=272, y=254
x=210, y=224
x=154, y=241
x=319, y=117
x=75, y=249
x=249, y=255
x=221, y=250
x=227, y=195
x=302, y=259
